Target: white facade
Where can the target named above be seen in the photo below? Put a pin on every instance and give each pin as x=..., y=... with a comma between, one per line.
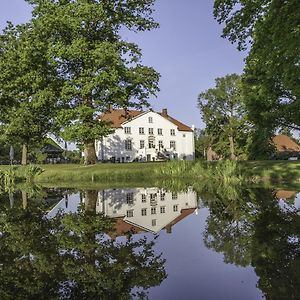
x=149, y=136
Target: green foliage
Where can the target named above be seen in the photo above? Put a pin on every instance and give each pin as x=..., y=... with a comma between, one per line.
x=96, y=67
x=39, y=156
x=9, y=178
x=5, y=152
x=202, y=142
x=223, y=112
x=31, y=171
x=27, y=86
x=221, y=172
x=272, y=69
x=72, y=156
x=259, y=146
x=70, y=256
x=250, y=227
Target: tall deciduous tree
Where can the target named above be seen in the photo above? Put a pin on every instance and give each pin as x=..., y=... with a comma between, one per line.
x=27, y=87
x=98, y=68
x=272, y=72
x=222, y=111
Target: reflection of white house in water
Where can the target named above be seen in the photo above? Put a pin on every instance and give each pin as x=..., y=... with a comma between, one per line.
x=137, y=209
x=146, y=209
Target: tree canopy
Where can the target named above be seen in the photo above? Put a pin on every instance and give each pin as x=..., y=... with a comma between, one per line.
x=222, y=110
x=27, y=87
x=272, y=72
x=98, y=69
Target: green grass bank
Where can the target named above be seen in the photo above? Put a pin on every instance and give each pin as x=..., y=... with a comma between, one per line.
x=225, y=171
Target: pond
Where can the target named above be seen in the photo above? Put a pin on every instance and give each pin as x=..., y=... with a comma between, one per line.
x=150, y=242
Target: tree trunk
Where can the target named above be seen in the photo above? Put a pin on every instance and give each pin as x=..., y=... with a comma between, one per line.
x=89, y=153
x=90, y=202
x=24, y=199
x=231, y=143
x=209, y=154
x=24, y=154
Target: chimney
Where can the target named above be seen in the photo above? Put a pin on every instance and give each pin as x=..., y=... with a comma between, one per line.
x=169, y=228
x=164, y=112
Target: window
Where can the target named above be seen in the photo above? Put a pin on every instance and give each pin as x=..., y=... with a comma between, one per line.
x=175, y=207
x=141, y=130
x=144, y=211
x=173, y=145
x=172, y=131
x=150, y=130
x=153, y=222
x=159, y=131
x=128, y=145
x=129, y=198
x=151, y=144
x=142, y=144
x=143, y=197
x=152, y=196
x=127, y=130
x=162, y=196
x=153, y=210
x=150, y=120
x=162, y=209
x=129, y=213
x=174, y=196
x=160, y=144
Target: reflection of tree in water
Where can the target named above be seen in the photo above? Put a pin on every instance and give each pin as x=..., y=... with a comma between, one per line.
x=254, y=229
x=70, y=257
x=229, y=225
x=276, y=250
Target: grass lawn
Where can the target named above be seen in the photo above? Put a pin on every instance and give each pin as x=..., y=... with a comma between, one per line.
x=273, y=171
x=81, y=175
x=97, y=173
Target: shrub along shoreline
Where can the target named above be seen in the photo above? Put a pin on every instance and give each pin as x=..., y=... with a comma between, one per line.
x=225, y=172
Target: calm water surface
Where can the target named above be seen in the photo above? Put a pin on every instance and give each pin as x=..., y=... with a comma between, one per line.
x=129, y=243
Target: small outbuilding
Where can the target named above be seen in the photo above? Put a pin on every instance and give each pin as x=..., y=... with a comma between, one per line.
x=286, y=147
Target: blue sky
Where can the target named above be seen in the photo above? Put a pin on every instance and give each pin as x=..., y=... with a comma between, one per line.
x=187, y=50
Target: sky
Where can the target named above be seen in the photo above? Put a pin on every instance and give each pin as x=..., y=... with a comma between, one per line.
x=187, y=50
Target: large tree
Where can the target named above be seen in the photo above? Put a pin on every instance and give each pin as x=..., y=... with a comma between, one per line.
x=222, y=111
x=270, y=28
x=28, y=84
x=98, y=68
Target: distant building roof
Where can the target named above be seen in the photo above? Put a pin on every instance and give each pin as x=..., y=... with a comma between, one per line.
x=283, y=194
x=119, y=116
x=284, y=143
x=51, y=146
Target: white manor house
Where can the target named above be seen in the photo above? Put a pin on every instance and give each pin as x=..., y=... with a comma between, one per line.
x=145, y=136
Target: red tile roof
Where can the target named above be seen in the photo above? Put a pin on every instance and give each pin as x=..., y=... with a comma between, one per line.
x=122, y=228
x=184, y=213
x=119, y=116
x=283, y=143
x=283, y=194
